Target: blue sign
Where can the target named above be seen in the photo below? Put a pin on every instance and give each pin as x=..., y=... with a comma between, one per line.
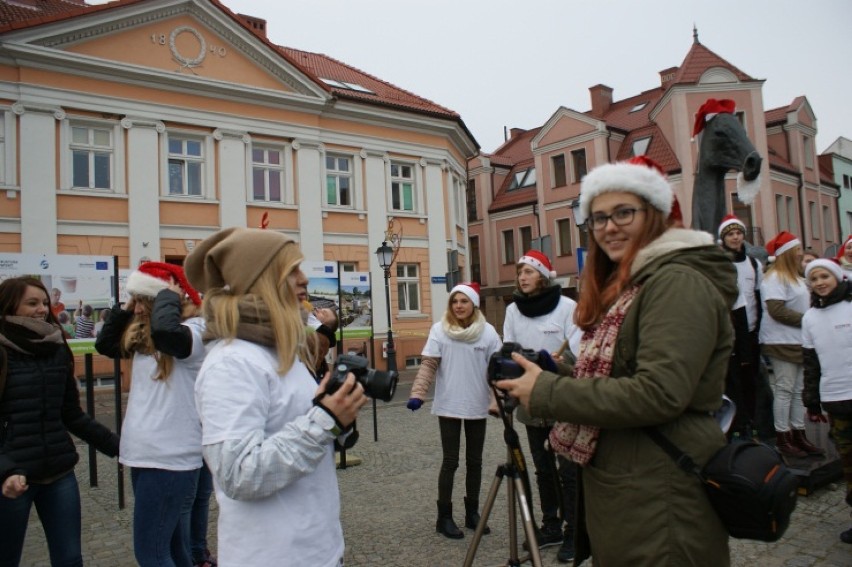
x=439, y=279
x=581, y=259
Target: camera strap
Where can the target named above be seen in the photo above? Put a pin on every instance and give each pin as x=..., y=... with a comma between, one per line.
x=339, y=429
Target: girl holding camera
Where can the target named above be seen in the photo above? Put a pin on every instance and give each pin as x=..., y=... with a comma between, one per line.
x=654, y=305
x=456, y=358
x=268, y=430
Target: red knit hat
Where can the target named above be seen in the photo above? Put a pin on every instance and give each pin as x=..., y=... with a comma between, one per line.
x=783, y=242
x=710, y=109
x=729, y=223
x=470, y=289
x=152, y=277
x=538, y=261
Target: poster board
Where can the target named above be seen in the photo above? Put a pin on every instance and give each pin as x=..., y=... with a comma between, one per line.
x=356, y=306
x=74, y=280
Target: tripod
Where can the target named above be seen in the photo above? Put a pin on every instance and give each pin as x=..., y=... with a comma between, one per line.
x=517, y=489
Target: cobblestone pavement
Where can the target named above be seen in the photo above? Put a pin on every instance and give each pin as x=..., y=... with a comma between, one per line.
x=388, y=504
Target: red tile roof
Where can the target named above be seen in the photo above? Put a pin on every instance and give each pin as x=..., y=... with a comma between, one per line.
x=658, y=150
x=698, y=60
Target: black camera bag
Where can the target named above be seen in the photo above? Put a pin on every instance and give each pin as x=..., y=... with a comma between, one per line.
x=749, y=486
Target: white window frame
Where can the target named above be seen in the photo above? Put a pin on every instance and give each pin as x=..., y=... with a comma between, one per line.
x=812, y=209
x=575, y=175
x=808, y=149
x=208, y=175
x=269, y=169
x=399, y=178
x=505, y=237
x=66, y=160
x=349, y=266
x=523, y=233
x=554, y=167
x=640, y=146
x=827, y=222
x=565, y=249
x=405, y=283
x=338, y=175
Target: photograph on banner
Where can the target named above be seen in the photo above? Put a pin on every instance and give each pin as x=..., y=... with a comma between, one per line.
x=322, y=285
x=356, y=306
x=80, y=289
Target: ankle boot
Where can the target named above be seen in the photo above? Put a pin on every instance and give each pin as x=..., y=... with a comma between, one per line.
x=800, y=441
x=471, y=515
x=445, y=524
x=784, y=443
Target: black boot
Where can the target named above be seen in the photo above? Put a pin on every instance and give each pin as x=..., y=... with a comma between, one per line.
x=445, y=524
x=471, y=515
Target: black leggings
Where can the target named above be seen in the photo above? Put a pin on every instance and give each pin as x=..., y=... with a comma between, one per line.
x=474, y=432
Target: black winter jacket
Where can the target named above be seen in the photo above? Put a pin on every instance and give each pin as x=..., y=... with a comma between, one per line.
x=40, y=404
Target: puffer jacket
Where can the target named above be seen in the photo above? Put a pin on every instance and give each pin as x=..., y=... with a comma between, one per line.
x=669, y=366
x=40, y=405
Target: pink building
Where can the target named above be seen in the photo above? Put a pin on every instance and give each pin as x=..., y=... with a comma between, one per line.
x=524, y=189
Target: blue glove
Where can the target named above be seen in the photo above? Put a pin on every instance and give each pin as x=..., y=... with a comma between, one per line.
x=414, y=404
x=546, y=361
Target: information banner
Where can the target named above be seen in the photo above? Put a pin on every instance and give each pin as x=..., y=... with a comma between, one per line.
x=356, y=307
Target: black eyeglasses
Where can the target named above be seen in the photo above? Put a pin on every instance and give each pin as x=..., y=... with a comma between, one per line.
x=620, y=217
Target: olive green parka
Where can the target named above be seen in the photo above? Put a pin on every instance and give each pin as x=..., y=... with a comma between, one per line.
x=668, y=372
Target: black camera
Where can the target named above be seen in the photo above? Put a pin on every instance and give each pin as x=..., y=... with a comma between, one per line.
x=502, y=367
x=377, y=384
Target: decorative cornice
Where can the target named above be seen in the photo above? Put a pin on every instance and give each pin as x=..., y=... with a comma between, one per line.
x=21, y=108
x=220, y=134
x=127, y=123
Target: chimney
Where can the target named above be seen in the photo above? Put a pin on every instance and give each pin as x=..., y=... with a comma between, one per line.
x=515, y=132
x=667, y=76
x=601, y=99
x=257, y=25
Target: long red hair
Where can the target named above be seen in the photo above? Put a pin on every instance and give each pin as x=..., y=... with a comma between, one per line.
x=603, y=280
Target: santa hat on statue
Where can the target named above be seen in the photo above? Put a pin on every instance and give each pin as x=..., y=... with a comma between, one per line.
x=471, y=290
x=729, y=223
x=710, y=109
x=538, y=261
x=783, y=242
x=152, y=277
x=640, y=175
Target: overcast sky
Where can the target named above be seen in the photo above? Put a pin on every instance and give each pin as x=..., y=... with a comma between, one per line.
x=509, y=63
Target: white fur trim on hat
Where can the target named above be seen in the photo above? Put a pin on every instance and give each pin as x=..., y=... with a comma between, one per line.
x=787, y=247
x=826, y=264
x=468, y=291
x=144, y=285
x=538, y=265
x=640, y=180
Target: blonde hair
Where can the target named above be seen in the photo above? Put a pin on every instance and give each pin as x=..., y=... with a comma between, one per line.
x=271, y=292
x=137, y=336
x=787, y=266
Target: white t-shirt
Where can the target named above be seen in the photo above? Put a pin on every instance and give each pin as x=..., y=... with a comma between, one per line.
x=795, y=296
x=461, y=383
x=161, y=429
x=547, y=331
x=829, y=332
x=747, y=282
x=239, y=392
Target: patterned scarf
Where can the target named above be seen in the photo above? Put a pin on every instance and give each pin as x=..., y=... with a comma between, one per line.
x=578, y=442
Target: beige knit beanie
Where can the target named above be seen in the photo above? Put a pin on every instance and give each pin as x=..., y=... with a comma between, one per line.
x=233, y=257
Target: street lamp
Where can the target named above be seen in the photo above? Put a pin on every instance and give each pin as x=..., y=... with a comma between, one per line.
x=384, y=254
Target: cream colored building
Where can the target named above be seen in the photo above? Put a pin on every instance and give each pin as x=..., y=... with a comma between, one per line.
x=137, y=128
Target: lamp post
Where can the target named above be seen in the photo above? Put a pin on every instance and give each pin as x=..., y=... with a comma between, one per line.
x=384, y=253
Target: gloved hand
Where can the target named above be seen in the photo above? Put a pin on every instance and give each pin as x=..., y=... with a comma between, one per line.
x=546, y=361
x=816, y=416
x=414, y=404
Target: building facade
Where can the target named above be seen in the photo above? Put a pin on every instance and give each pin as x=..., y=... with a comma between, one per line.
x=836, y=161
x=521, y=195
x=139, y=127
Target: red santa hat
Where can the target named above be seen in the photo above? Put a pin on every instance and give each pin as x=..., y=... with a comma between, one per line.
x=729, y=223
x=842, y=250
x=710, y=109
x=640, y=175
x=538, y=261
x=828, y=264
x=152, y=277
x=783, y=242
x=470, y=289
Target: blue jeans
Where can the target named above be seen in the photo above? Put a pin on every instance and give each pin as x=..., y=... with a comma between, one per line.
x=58, y=507
x=161, y=516
x=200, y=513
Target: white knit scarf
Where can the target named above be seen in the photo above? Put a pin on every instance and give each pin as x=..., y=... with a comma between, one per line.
x=468, y=334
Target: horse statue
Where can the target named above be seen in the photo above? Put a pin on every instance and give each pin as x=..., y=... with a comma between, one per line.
x=723, y=146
